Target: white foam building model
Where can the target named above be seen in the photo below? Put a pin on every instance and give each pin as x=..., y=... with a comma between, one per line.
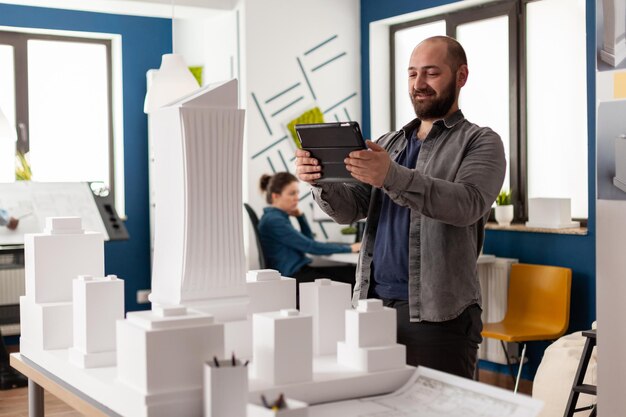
x=620, y=163
x=161, y=353
x=204, y=305
x=267, y=291
x=326, y=301
x=370, y=344
x=283, y=347
x=199, y=258
x=53, y=259
x=97, y=304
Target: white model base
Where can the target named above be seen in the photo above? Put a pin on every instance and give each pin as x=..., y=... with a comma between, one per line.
x=47, y=325
x=619, y=184
x=103, y=386
x=333, y=382
x=92, y=360
x=372, y=359
x=294, y=409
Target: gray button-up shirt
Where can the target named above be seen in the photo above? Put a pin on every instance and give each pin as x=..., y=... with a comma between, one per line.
x=459, y=173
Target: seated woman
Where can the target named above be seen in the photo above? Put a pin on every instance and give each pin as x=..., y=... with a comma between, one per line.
x=283, y=245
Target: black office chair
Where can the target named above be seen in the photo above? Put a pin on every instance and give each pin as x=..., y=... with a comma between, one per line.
x=255, y=225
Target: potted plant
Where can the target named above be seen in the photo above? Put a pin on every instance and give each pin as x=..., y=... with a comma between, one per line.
x=348, y=234
x=504, y=208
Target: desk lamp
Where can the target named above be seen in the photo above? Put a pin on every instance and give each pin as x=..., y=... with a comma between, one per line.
x=172, y=80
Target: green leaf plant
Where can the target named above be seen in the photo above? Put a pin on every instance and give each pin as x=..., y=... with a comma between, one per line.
x=504, y=198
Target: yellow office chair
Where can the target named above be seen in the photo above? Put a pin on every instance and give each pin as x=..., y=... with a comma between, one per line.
x=538, y=308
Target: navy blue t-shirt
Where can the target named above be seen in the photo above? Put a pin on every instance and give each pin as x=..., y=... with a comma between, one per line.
x=391, y=248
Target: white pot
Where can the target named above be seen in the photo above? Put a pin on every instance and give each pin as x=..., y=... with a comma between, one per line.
x=504, y=215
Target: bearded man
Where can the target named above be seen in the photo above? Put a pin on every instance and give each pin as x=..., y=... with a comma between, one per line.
x=426, y=191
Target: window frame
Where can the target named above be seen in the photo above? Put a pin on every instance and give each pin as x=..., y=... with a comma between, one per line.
x=516, y=11
x=19, y=42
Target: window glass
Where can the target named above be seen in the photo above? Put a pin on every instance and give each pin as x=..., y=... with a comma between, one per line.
x=485, y=98
x=557, y=102
x=7, y=82
x=7, y=106
x=405, y=40
x=548, y=137
x=68, y=111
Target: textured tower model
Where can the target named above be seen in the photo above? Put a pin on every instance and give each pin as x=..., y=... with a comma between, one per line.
x=198, y=248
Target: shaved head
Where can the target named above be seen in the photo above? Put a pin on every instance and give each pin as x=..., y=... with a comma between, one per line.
x=455, y=52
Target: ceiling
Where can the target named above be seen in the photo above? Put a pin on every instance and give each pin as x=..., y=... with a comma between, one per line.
x=180, y=9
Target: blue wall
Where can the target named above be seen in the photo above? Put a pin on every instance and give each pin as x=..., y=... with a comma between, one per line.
x=575, y=252
x=144, y=40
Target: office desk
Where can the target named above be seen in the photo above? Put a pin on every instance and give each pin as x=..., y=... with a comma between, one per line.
x=39, y=380
x=343, y=258
x=352, y=258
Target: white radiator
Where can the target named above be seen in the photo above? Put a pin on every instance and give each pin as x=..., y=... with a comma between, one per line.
x=494, y=283
x=11, y=288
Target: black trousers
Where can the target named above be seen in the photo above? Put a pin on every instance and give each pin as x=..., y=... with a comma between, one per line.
x=336, y=273
x=449, y=346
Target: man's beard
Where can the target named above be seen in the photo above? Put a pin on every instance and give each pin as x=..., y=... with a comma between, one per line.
x=436, y=108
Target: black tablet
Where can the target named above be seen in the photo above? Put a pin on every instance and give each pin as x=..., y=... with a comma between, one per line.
x=330, y=144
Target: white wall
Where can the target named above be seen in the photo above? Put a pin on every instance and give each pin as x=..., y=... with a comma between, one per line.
x=611, y=233
x=277, y=34
x=270, y=46
x=610, y=251
x=209, y=42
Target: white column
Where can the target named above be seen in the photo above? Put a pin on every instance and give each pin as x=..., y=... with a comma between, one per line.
x=614, y=43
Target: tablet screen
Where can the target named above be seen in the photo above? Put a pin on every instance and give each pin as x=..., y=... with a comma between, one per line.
x=331, y=135
x=330, y=144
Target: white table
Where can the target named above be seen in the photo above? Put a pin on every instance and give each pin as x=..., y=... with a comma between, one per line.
x=40, y=379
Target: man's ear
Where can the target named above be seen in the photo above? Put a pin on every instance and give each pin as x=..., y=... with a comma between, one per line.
x=461, y=75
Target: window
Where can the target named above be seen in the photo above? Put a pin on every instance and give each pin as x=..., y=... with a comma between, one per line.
x=523, y=84
x=57, y=90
